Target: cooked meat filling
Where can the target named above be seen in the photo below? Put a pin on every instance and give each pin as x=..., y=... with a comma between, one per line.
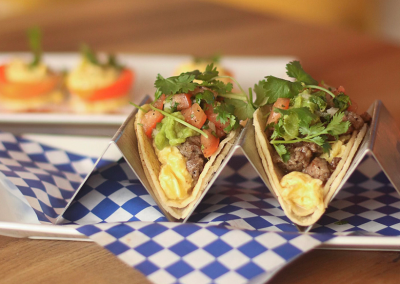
x=304, y=155
x=191, y=150
x=319, y=169
x=356, y=121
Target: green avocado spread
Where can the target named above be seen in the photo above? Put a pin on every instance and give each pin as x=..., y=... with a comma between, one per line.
x=172, y=133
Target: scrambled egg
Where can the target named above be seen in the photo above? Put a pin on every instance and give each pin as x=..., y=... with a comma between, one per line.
x=88, y=76
x=19, y=71
x=174, y=178
x=337, y=150
x=302, y=192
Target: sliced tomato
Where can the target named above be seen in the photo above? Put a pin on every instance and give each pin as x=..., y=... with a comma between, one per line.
x=118, y=89
x=282, y=103
x=150, y=120
x=210, y=144
x=209, y=110
x=22, y=90
x=160, y=102
x=183, y=100
x=195, y=115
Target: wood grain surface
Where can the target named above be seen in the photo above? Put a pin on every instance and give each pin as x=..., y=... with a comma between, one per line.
x=366, y=67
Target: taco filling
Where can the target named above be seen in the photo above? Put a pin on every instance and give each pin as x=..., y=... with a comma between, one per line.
x=312, y=133
x=184, y=135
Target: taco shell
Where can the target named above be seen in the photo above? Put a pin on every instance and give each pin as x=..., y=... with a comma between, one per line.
x=275, y=174
x=179, y=209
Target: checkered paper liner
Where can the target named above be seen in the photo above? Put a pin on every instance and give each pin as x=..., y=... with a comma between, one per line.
x=199, y=253
x=239, y=199
x=47, y=177
x=237, y=205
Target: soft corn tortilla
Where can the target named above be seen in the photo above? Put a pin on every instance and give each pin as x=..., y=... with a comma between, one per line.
x=275, y=174
x=177, y=208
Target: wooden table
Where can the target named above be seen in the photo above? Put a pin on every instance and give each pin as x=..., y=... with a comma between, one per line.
x=367, y=67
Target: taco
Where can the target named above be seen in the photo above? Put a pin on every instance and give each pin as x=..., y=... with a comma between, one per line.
x=307, y=134
x=184, y=135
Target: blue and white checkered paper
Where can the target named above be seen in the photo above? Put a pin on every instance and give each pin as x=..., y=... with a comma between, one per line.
x=200, y=253
x=237, y=208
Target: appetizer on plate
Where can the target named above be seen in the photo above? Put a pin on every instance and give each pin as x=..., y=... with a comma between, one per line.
x=307, y=135
x=184, y=135
x=200, y=63
x=97, y=87
x=30, y=86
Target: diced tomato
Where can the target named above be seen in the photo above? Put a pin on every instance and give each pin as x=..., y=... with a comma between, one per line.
x=341, y=89
x=22, y=90
x=183, y=100
x=353, y=107
x=210, y=144
x=118, y=89
x=150, y=120
x=282, y=103
x=195, y=115
x=160, y=102
x=209, y=110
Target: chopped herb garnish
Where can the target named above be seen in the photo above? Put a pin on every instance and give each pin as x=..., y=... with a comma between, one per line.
x=341, y=222
x=35, y=44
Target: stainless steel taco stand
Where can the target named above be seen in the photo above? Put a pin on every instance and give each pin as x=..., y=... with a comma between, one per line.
x=382, y=141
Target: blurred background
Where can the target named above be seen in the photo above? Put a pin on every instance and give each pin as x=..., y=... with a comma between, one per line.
x=373, y=17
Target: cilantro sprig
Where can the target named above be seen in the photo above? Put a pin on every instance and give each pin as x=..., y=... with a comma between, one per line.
x=35, y=44
x=273, y=88
x=236, y=106
x=315, y=133
x=91, y=56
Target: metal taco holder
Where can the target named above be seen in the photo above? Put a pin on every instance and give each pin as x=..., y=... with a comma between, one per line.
x=380, y=140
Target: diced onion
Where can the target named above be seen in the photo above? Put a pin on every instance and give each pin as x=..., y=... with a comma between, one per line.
x=332, y=111
x=212, y=126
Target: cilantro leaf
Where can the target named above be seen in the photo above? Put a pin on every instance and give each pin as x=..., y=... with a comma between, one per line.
x=341, y=101
x=312, y=130
x=210, y=73
x=268, y=91
x=243, y=110
x=89, y=54
x=282, y=152
x=233, y=124
x=176, y=84
x=112, y=62
x=304, y=114
x=319, y=140
x=224, y=112
x=207, y=96
x=318, y=98
x=35, y=43
x=326, y=147
x=216, y=58
x=295, y=70
x=336, y=126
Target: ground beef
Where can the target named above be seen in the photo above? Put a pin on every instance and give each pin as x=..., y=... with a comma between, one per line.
x=314, y=148
x=191, y=150
x=366, y=117
x=300, y=157
x=356, y=122
x=334, y=163
x=319, y=169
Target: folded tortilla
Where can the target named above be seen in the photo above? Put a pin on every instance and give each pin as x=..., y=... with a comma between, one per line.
x=179, y=209
x=275, y=174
